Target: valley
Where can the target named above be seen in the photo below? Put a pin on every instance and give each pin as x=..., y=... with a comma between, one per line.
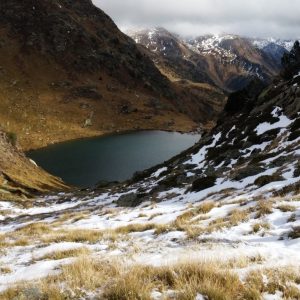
x=179, y=160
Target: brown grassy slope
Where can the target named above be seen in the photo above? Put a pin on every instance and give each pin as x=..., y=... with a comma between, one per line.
x=19, y=177
x=36, y=105
x=66, y=72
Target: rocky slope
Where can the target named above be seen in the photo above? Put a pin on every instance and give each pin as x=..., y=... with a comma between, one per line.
x=227, y=61
x=219, y=221
x=66, y=71
x=20, y=178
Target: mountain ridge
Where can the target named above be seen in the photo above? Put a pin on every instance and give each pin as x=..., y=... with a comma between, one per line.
x=227, y=61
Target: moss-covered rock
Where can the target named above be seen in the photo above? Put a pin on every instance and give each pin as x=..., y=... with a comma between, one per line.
x=266, y=179
x=203, y=183
x=297, y=170
x=130, y=200
x=249, y=170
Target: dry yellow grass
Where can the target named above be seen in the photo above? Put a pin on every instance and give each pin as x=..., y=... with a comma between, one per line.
x=3, y=242
x=22, y=241
x=243, y=262
x=33, y=229
x=264, y=207
x=259, y=226
x=23, y=236
x=163, y=228
x=237, y=216
x=70, y=217
x=206, y=207
x=141, y=215
x=56, y=255
x=76, y=236
x=187, y=216
x=154, y=216
x=233, y=219
x=120, y=282
x=286, y=208
x=5, y=212
x=193, y=232
x=135, y=228
x=86, y=274
x=283, y=280
x=5, y=270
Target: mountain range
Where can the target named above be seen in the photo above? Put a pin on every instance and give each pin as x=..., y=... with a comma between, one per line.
x=227, y=61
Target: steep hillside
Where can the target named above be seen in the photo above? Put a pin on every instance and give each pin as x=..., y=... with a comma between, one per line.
x=20, y=178
x=219, y=221
x=66, y=71
x=227, y=61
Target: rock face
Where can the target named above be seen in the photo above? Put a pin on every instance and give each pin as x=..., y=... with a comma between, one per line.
x=79, y=36
x=291, y=62
x=227, y=61
x=62, y=60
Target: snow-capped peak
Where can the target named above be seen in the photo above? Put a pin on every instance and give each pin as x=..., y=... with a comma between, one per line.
x=262, y=43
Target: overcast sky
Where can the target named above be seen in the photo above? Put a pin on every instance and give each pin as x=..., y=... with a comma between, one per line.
x=259, y=18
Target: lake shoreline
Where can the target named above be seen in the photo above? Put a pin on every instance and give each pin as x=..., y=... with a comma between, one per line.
x=113, y=157
x=109, y=133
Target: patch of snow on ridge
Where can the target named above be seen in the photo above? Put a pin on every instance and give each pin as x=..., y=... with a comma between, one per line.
x=35, y=271
x=262, y=43
x=298, y=75
x=159, y=171
x=260, y=147
x=277, y=296
x=200, y=297
x=283, y=122
x=211, y=45
x=199, y=158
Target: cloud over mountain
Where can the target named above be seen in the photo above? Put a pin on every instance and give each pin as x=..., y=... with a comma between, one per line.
x=192, y=17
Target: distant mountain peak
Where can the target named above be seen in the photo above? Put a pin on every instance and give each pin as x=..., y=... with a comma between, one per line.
x=227, y=60
x=262, y=43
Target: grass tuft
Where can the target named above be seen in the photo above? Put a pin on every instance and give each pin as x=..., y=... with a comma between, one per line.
x=264, y=207
x=56, y=255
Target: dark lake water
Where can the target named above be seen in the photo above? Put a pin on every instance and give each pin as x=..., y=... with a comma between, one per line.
x=86, y=162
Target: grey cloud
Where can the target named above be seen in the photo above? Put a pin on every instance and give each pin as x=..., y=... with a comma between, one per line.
x=278, y=18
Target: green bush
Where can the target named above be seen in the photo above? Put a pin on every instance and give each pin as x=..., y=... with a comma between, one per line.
x=12, y=138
